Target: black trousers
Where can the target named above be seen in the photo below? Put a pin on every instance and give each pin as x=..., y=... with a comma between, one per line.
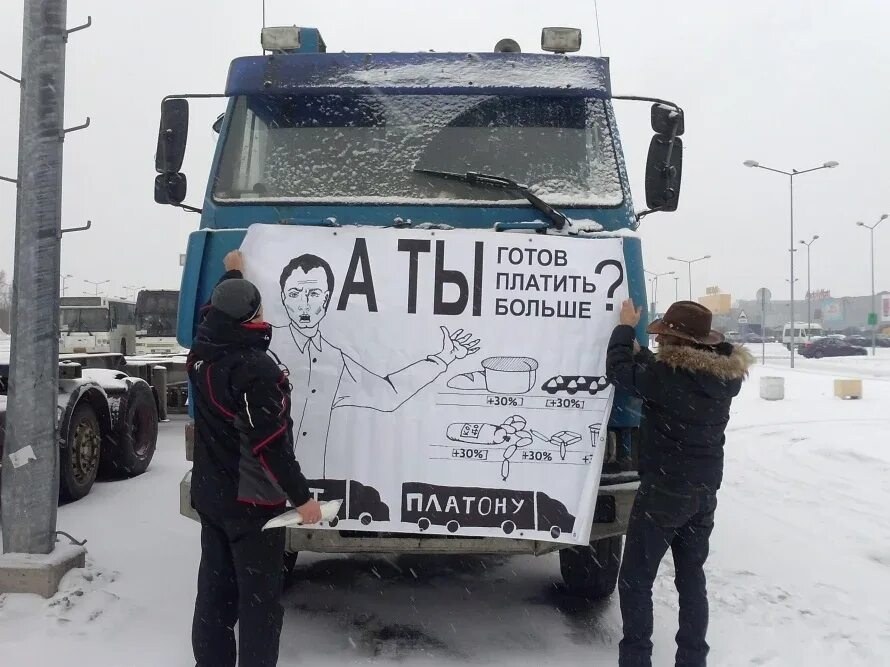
x=239, y=580
x=662, y=518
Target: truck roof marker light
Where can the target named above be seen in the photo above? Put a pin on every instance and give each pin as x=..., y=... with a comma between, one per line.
x=561, y=40
x=281, y=39
x=507, y=45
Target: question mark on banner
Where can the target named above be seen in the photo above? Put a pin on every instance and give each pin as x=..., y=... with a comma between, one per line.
x=620, y=279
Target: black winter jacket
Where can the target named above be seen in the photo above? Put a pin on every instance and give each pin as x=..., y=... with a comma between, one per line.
x=686, y=392
x=244, y=461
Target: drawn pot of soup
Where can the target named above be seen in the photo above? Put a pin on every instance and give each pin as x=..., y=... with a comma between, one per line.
x=510, y=375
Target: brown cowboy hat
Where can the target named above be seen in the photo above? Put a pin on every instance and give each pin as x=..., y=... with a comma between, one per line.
x=687, y=320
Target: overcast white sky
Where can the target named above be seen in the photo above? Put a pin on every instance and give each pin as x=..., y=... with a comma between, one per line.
x=790, y=84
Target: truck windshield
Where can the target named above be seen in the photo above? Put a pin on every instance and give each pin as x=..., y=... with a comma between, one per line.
x=85, y=320
x=343, y=148
x=156, y=313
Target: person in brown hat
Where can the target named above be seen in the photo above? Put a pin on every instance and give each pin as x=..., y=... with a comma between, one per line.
x=687, y=389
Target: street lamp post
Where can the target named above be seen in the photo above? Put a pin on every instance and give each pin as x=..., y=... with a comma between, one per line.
x=134, y=289
x=689, y=263
x=791, y=174
x=809, y=288
x=655, y=277
x=874, y=308
x=96, y=284
x=65, y=279
x=676, y=288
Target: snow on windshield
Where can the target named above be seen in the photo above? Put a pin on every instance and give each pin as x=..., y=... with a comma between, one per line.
x=351, y=148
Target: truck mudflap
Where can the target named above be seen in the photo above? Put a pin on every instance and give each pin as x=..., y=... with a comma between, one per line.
x=610, y=519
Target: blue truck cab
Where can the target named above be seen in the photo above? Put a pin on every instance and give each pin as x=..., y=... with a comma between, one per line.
x=316, y=138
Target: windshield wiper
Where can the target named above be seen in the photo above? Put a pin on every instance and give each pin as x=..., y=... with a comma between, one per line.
x=557, y=219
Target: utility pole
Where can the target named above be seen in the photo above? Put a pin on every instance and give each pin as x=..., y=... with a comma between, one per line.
x=30, y=468
x=689, y=263
x=809, y=288
x=874, y=306
x=96, y=285
x=753, y=164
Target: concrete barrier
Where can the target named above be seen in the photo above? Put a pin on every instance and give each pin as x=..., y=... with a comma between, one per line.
x=848, y=389
x=772, y=388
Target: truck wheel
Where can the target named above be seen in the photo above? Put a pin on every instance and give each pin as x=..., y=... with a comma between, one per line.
x=592, y=571
x=79, y=459
x=289, y=577
x=135, y=436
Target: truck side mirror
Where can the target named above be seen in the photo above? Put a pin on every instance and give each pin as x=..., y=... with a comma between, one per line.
x=170, y=188
x=172, y=135
x=664, y=118
x=664, y=167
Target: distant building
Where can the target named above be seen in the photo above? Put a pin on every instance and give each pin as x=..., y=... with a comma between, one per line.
x=833, y=313
x=716, y=301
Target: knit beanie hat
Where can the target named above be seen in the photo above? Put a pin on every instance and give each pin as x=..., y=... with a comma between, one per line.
x=237, y=298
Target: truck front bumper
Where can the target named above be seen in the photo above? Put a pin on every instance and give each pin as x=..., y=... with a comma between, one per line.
x=336, y=541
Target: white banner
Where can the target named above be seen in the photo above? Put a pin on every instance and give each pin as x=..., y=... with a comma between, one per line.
x=445, y=382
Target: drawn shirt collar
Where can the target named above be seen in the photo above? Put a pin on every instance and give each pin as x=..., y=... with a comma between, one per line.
x=302, y=340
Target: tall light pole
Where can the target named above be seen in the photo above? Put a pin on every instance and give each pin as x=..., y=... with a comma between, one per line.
x=655, y=277
x=134, y=289
x=791, y=174
x=676, y=288
x=96, y=284
x=809, y=288
x=874, y=308
x=65, y=279
x=689, y=263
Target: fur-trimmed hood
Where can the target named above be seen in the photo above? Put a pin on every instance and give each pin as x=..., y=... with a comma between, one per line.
x=720, y=365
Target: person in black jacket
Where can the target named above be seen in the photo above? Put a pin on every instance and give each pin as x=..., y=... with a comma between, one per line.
x=687, y=389
x=244, y=471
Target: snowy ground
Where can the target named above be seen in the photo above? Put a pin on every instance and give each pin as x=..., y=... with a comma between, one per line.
x=799, y=572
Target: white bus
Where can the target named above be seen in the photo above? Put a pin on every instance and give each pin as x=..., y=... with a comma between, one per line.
x=803, y=333
x=96, y=324
x=156, y=312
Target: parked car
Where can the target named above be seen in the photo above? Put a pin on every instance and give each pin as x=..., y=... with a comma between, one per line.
x=831, y=347
x=883, y=340
x=859, y=341
x=754, y=338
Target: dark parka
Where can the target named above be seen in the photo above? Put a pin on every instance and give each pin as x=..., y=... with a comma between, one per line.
x=686, y=392
x=244, y=461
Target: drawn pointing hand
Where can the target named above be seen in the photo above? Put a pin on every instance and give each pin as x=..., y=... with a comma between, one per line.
x=457, y=345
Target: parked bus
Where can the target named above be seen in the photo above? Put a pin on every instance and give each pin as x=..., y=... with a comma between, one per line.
x=96, y=324
x=156, y=322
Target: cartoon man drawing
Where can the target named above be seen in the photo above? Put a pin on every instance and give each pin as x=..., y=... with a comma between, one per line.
x=324, y=377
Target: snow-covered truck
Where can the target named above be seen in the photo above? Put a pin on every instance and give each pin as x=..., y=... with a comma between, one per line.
x=107, y=421
x=354, y=152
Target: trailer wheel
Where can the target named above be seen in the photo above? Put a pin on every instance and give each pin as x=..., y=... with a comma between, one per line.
x=79, y=459
x=135, y=436
x=592, y=571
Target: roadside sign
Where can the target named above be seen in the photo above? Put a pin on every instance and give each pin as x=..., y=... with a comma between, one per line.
x=743, y=318
x=764, y=295
x=872, y=319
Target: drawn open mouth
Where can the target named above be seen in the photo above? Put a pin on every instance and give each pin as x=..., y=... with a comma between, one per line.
x=304, y=319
